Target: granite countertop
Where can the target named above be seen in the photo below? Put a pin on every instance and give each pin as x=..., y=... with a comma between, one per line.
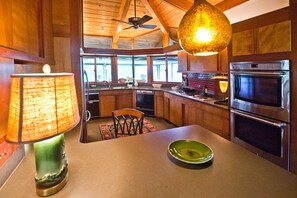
x=140, y=166
x=205, y=100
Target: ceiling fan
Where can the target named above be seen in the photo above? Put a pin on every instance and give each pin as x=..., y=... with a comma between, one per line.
x=137, y=22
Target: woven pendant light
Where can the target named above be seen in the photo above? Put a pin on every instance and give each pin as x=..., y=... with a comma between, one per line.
x=204, y=30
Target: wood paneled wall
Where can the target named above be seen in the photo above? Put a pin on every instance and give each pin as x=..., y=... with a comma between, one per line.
x=6, y=69
x=67, y=39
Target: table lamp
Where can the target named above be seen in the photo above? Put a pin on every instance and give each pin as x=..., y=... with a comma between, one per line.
x=42, y=108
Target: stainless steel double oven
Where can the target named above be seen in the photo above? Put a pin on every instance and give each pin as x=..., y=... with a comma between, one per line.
x=260, y=108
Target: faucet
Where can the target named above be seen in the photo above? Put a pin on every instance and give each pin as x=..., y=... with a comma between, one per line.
x=106, y=82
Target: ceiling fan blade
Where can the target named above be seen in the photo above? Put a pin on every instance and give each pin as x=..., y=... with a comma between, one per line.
x=128, y=27
x=148, y=26
x=121, y=21
x=144, y=19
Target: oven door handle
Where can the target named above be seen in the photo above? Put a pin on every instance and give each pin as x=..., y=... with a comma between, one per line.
x=272, y=123
x=273, y=73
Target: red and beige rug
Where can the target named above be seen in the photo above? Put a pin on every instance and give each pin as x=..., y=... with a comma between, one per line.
x=107, y=130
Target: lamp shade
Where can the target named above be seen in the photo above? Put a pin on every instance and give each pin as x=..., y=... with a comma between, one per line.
x=41, y=106
x=204, y=30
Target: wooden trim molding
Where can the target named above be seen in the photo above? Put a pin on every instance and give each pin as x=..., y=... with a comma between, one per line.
x=20, y=56
x=262, y=20
x=223, y=5
x=164, y=50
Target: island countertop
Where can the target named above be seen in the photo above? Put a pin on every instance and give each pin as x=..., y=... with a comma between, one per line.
x=140, y=166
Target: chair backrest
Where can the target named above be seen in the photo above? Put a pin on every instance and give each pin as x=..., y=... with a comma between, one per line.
x=127, y=121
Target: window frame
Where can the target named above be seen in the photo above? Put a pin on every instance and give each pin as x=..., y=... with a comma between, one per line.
x=114, y=67
x=95, y=66
x=166, y=69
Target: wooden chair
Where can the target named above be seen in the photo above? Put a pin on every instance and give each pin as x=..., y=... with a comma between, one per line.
x=127, y=121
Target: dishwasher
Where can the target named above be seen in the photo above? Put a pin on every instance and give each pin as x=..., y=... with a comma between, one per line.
x=145, y=102
x=93, y=105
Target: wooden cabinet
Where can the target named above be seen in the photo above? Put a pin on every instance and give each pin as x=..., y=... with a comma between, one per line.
x=112, y=100
x=216, y=120
x=262, y=40
x=213, y=63
x=243, y=43
x=274, y=38
x=183, y=111
x=159, y=104
x=203, y=63
x=166, y=106
x=176, y=106
x=106, y=105
x=182, y=57
x=193, y=113
x=26, y=30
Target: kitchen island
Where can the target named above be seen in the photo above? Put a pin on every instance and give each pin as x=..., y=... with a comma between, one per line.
x=140, y=166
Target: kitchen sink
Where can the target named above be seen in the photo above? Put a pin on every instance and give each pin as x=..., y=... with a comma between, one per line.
x=119, y=87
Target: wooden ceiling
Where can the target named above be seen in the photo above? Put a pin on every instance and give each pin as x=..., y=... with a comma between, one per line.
x=100, y=31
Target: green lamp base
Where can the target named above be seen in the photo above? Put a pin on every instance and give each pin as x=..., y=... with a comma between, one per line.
x=43, y=192
x=51, y=166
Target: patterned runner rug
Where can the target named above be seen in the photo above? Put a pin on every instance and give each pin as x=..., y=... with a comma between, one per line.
x=107, y=130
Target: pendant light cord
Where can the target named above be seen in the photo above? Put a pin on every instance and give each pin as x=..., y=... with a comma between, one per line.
x=134, y=8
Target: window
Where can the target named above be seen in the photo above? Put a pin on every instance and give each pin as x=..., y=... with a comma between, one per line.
x=172, y=65
x=103, y=68
x=133, y=68
x=125, y=67
x=165, y=69
x=97, y=68
x=140, y=68
x=159, y=68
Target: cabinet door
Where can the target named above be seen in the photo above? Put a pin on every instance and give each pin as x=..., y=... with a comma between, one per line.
x=223, y=60
x=216, y=120
x=243, y=43
x=193, y=113
x=274, y=38
x=134, y=99
x=124, y=101
x=107, y=105
x=190, y=112
x=159, y=104
x=204, y=63
x=176, y=110
x=182, y=61
x=166, y=106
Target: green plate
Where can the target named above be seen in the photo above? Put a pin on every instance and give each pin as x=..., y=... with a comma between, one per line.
x=190, y=151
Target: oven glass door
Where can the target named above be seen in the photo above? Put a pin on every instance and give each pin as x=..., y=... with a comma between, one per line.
x=266, y=137
x=263, y=90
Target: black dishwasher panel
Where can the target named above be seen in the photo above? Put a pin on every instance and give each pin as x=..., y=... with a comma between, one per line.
x=145, y=102
x=93, y=105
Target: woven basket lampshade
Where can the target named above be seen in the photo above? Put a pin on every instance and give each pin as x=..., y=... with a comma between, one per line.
x=41, y=106
x=204, y=30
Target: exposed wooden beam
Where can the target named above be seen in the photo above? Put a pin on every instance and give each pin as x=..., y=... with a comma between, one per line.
x=182, y=5
x=228, y=4
x=165, y=39
x=223, y=6
x=149, y=5
x=122, y=13
x=140, y=35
